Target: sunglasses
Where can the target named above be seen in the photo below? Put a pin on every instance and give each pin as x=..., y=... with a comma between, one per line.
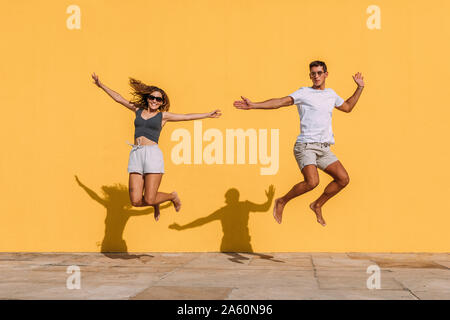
x=319, y=73
x=159, y=99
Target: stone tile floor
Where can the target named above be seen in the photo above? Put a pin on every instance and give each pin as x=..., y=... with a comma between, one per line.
x=217, y=276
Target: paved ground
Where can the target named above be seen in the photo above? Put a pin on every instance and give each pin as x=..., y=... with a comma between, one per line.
x=224, y=276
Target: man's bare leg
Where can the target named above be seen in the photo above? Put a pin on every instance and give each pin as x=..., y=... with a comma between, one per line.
x=311, y=181
x=341, y=179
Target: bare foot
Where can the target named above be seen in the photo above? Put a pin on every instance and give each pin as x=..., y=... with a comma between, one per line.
x=278, y=210
x=156, y=214
x=318, y=211
x=176, y=202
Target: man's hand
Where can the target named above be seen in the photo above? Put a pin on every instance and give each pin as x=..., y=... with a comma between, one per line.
x=244, y=104
x=359, y=79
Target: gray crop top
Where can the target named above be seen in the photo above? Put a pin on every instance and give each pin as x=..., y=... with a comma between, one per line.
x=150, y=128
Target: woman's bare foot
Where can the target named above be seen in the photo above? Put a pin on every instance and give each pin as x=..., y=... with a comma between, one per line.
x=278, y=210
x=157, y=213
x=176, y=202
x=318, y=211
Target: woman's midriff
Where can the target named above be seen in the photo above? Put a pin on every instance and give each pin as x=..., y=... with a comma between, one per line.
x=144, y=141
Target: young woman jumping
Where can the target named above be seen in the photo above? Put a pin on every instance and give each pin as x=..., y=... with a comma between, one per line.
x=145, y=165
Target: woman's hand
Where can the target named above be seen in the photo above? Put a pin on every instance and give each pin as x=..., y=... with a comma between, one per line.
x=96, y=81
x=214, y=114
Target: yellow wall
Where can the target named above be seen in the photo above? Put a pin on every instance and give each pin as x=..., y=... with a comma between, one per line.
x=56, y=124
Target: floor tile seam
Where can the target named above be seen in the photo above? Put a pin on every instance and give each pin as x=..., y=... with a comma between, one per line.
x=169, y=273
x=162, y=277
x=406, y=288
x=147, y=287
x=413, y=294
x=446, y=268
x=317, y=276
x=315, y=272
x=229, y=293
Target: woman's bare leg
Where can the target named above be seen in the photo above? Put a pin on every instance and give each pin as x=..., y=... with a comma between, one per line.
x=157, y=213
x=153, y=197
x=311, y=181
x=341, y=179
x=136, y=189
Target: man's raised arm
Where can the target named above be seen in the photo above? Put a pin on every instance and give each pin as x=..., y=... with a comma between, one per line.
x=350, y=103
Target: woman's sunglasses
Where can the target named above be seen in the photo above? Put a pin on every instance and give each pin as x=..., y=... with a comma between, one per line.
x=159, y=99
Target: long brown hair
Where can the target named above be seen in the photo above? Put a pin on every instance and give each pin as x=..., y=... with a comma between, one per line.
x=141, y=91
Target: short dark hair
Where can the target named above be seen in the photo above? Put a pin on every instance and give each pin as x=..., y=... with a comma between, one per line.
x=318, y=63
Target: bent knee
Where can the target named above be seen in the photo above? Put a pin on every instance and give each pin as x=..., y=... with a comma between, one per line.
x=150, y=200
x=344, y=181
x=311, y=184
x=135, y=197
x=135, y=202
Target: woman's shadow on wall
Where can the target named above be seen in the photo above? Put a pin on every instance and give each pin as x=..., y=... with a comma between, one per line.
x=118, y=210
x=234, y=219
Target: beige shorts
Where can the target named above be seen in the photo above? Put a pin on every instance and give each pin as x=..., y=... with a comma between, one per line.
x=316, y=153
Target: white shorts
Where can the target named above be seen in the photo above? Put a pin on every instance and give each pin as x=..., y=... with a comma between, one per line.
x=146, y=159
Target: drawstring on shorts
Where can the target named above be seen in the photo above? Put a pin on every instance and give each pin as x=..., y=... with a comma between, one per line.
x=135, y=146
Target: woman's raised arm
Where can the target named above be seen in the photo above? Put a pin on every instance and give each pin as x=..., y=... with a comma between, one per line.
x=116, y=97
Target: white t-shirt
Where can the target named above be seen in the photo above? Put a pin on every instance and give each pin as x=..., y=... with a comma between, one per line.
x=315, y=108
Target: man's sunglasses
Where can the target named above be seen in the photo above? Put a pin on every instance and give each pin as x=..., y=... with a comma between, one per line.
x=319, y=73
x=159, y=99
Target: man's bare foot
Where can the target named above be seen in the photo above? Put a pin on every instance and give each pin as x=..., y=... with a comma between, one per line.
x=176, y=202
x=157, y=212
x=278, y=210
x=318, y=211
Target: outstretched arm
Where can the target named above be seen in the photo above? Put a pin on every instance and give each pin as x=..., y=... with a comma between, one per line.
x=197, y=223
x=265, y=206
x=350, y=103
x=276, y=103
x=91, y=193
x=114, y=95
x=168, y=116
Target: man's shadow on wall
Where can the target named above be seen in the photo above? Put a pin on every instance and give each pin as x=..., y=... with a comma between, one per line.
x=118, y=211
x=234, y=219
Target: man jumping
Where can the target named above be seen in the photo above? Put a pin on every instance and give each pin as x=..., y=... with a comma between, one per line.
x=312, y=148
